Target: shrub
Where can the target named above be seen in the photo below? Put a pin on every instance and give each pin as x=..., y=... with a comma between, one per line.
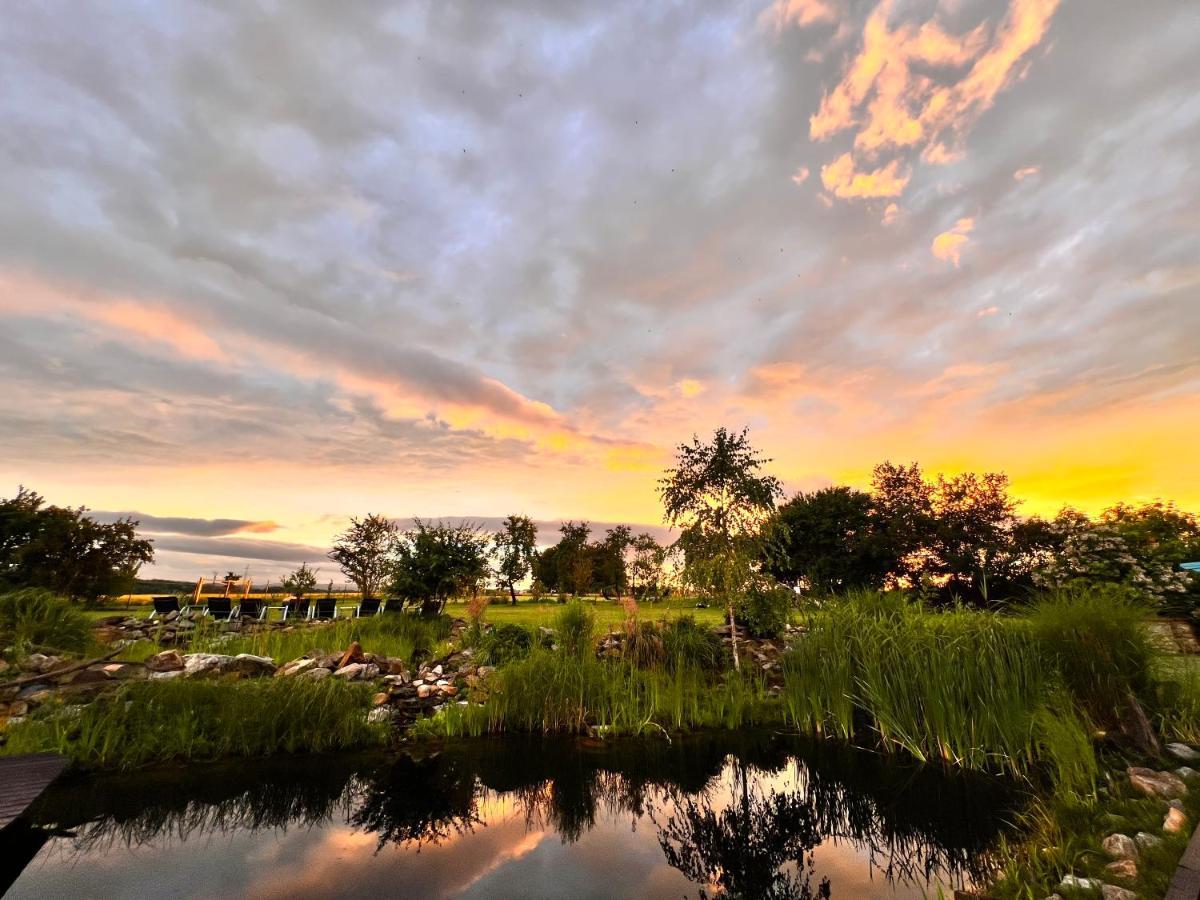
x=764, y=609
x=37, y=620
x=504, y=644
x=575, y=629
x=689, y=645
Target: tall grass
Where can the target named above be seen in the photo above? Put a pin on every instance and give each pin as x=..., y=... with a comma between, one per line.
x=964, y=687
x=37, y=620
x=403, y=635
x=159, y=721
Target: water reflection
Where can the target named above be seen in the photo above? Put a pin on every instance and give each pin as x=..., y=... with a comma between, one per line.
x=758, y=817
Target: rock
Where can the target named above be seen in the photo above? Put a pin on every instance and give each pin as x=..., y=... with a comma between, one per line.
x=1183, y=752
x=85, y=676
x=1119, y=846
x=359, y=671
x=1186, y=773
x=1175, y=821
x=295, y=667
x=316, y=674
x=251, y=666
x=1123, y=868
x=450, y=690
x=1175, y=804
x=35, y=690
x=1075, y=883
x=18, y=708
x=380, y=714
x=1146, y=840
x=167, y=676
x=437, y=670
x=353, y=654
x=1156, y=784
x=167, y=661
x=1112, y=892
x=424, y=690
x=115, y=670
x=485, y=671
x=196, y=665
x=381, y=698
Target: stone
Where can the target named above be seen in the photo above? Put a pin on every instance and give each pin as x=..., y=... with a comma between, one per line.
x=450, y=690
x=250, y=666
x=424, y=690
x=353, y=654
x=167, y=676
x=1112, y=892
x=380, y=715
x=196, y=665
x=1123, y=868
x=295, y=667
x=380, y=699
x=1175, y=804
x=115, y=670
x=1175, y=821
x=1146, y=840
x=437, y=670
x=1183, y=752
x=1187, y=774
x=1156, y=784
x=167, y=661
x=92, y=675
x=316, y=674
x=1119, y=846
x=1075, y=883
x=18, y=708
x=351, y=671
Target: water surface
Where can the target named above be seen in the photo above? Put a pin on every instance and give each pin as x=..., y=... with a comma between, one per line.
x=752, y=816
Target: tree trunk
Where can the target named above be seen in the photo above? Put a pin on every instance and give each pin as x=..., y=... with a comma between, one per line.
x=737, y=663
x=513, y=591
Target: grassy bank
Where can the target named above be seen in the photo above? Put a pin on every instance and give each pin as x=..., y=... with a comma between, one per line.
x=160, y=721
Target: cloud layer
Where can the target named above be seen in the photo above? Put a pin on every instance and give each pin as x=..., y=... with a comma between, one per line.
x=287, y=263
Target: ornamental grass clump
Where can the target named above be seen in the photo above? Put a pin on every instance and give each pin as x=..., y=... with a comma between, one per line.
x=34, y=620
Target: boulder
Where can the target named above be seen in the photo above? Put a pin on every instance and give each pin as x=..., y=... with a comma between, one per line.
x=316, y=674
x=1146, y=840
x=296, y=667
x=358, y=671
x=196, y=665
x=380, y=715
x=1119, y=846
x=167, y=661
x=1186, y=773
x=92, y=675
x=1075, y=883
x=1123, y=868
x=1112, y=892
x=1183, y=752
x=250, y=666
x=1156, y=784
x=424, y=690
x=116, y=670
x=167, y=676
x=353, y=654
x=1175, y=821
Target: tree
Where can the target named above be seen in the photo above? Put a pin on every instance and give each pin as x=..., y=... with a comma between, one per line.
x=66, y=551
x=903, y=503
x=645, y=568
x=719, y=497
x=574, y=558
x=364, y=552
x=974, y=518
x=545, y=569
x=611, y=574
x=301, y=581
x=828, y=541
x=436, y=561
x=515, y=546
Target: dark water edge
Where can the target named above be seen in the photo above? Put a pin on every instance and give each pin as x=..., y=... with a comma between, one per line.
x=749, y=815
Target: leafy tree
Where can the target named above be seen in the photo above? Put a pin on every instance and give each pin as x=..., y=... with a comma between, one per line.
x=612, y=575
x=574, y=558
x=66, y=551
x=974, y=517
x=437, y=561
x=645, y=568
x=720, y=498
x=545, y=569
x=903, y=503
x=301, y=581
x=515, y=546
x=829, y=541
x=364, y=552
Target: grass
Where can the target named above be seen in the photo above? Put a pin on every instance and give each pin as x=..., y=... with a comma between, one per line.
x=157, y=721
x=36, y=620
x=609, y=614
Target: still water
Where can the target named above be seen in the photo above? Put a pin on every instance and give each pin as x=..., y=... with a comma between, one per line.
x=752, y=816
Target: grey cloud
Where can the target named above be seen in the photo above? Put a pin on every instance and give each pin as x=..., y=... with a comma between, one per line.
x=186, y=525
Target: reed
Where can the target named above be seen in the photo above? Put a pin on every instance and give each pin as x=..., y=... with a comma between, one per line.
x=158, y=721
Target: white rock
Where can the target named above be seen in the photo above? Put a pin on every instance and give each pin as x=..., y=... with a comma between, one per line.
x=197, y=664
x=1187, y=774
x=1183, y=752
x=167, y=676
x=315, y=674
x=380, y=714
x=1074, y=883
x=351, y=671
x=1146, y=840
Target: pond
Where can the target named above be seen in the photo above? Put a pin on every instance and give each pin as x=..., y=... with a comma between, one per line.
x=756, y=815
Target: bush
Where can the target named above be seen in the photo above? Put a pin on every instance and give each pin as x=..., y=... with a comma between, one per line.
x=689, y=645
x=37, y=620
x=504, y=644
x=575, y=629
x=764, y=610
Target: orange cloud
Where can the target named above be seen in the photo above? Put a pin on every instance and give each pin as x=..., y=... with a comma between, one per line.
x=893, y=102
x=801, y=13
x=801, y=175
x=1023, y=173
x=988, y=311
x=842, y=180
x=948, y=245
x=891, y=214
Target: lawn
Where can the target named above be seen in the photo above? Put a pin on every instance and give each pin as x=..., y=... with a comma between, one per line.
x=608, y=612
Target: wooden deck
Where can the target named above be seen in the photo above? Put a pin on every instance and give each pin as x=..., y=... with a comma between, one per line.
x=1186, y=883
x=22, y=778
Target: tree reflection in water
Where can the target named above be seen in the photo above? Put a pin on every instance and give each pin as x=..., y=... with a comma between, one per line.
x=739, y=816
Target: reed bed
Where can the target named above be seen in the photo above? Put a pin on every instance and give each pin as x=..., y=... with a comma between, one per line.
x=160, y=721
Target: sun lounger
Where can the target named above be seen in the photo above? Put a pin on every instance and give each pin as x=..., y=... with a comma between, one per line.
x=297, y=608
x=164, y=606
x=324, y=608
x=368, y=606
x=252, y=608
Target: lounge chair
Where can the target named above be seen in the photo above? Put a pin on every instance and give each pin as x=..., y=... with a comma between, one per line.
x=324, y=608
x=368, y=606
x=220, y=608
x=164, y=606
x=297, y=606
x=252, y=608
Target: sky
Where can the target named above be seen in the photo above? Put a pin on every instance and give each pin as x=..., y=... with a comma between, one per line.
x=267, y=265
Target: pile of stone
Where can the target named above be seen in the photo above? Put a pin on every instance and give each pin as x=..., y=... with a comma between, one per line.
x=175, y=628
x=42, y=677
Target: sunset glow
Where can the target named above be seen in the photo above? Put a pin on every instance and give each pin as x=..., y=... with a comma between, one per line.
x=282, y=265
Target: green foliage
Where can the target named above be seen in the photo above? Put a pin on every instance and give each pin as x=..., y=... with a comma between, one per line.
x=688, y=645
x=155, y=721
x=66, y=551
x=1097, y=639
x=765, y=608
x=300, y=582
x=828, y=542
x=503, y=644
x=575, y=629
x=515, y=546
x=437, y=561
x=364, y=552
x=38, y=620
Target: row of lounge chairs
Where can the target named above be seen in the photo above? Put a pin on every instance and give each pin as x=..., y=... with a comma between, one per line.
x=225, y=609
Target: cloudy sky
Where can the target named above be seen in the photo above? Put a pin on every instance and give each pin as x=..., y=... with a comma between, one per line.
x=266, y=265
